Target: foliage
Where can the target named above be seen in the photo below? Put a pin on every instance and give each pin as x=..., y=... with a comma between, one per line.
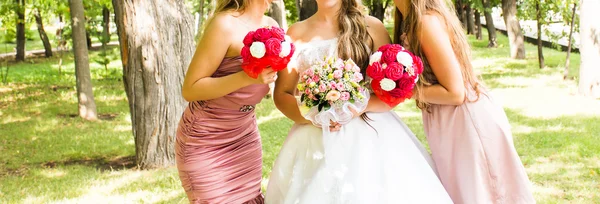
x=552, y=11
x=291, y=11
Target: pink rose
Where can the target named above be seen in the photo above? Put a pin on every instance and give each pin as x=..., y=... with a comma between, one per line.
x=307, y=92
x=338, y=74
x=316, y=78
x=357, y=77
x=340, y=86
x=278, y=33
x=322, y=87
x=344, y=96
x=389, y=57
x=262, y=35
x=356, y=69
x=417, y=64
x=375, y=71
x=273, y=46
x=394, y=71
x=349, y=67
x=384, y=48
x=309, y=72
x=333, y=96
x=332, y=85
x=248, y=40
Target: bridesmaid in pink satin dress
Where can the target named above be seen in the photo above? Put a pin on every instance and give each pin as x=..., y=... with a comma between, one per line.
x=218, y=147
x=468, y=132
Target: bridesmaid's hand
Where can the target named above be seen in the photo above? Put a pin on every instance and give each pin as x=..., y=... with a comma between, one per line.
x=267, y=76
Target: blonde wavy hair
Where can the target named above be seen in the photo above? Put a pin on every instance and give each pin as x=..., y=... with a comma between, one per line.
x=411, y=26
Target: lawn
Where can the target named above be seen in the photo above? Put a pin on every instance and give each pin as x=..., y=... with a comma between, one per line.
x=49, y=155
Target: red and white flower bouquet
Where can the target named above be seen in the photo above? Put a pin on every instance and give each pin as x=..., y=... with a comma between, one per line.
x=265, y=47
x=394, y=72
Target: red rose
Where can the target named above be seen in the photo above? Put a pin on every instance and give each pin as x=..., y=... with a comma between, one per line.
x=248, y=40
x=246, y=55
x=375, y=71
x=417, y=64
x=395, y=48
x=278, y=33
x=394, y=71
x=273, y=46
x=262, y=34
x=404, y=87
x=384, y=47
x=389, y=57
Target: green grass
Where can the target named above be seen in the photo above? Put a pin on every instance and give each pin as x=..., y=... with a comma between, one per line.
x=36, y=43
x=49, y=155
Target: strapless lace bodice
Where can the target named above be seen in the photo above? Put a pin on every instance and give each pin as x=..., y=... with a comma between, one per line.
x=308, y=53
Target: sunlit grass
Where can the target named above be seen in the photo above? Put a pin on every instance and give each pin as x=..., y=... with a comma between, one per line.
x=49, y=155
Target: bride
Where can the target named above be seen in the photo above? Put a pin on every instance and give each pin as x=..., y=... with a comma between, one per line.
x=376, y=158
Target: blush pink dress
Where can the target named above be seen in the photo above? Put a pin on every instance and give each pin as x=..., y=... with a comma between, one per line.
x=472, y=147
x=219, y=152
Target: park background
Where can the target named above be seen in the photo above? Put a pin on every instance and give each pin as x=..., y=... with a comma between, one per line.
x=90, y=93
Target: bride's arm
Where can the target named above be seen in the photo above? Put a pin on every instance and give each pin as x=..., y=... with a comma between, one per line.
x=380, y=37
x=285, y=86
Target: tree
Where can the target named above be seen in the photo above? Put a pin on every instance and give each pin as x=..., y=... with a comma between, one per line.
x=43, y=36
x=539, y=23
x=377, y=8
x=105, y=26
x=470, y=20
x=571, y=26
x=277, y=12
x=589, y=71
x=306, y=8
x=157, y=39
x=20, y=10
x=85, y=95
x=513, y=28
x=478, y=33
x=489, y=23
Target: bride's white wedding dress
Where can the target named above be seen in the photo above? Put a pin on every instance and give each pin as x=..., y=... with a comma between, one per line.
x=376, y=162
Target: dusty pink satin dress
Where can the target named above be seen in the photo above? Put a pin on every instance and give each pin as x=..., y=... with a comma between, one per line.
x=472, y=147
x=218, y=146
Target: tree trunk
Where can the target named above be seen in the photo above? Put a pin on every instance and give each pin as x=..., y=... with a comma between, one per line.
x=489, y=23
x=20, y=30
x=42, y=32
x=88, y=39
x=157, y=47
x=105, y=26
x=539, y=34
x=478, y=25
x=200, y=21
x=589, y=71
x=513, y=28
x=568, y=60
x=470, y=21
x=306, y=8
x=459, y=9
x=85, y=95
x=377, y=9
x=277, y=12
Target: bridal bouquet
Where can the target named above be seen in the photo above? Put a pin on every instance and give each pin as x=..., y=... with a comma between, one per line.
x=266, y=47
x=328, y=89
x=394, y=72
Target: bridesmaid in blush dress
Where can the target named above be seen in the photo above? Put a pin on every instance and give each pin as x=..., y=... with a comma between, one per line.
x=468, y=132
x=218, y=147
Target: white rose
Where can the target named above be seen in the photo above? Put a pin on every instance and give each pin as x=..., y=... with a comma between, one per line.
x=404, y=59
x=258, y=49
x=387, y=84
x=375, y=57
x=286, y=48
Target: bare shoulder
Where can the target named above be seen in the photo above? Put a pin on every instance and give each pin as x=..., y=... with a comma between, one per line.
x=270, y=21
x=297, y=30
x=221, y=23
x=377, y=31
x=432, y=24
